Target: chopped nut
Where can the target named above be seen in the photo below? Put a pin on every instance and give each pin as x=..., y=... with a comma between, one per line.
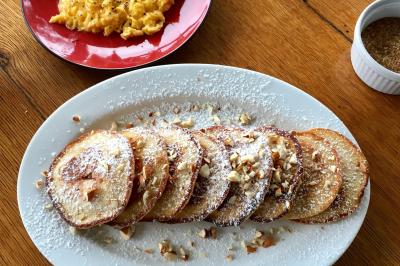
x=278, y=192
x=176, y=110
x=39, y=183
x=285, y=184
x=248, y=158
x=127, y=232
x=332, y=158
x=259, y=234
x=250, y=249
x=234, y=157
x=195, y=108
x=148, y=250
x=232, y=200
x=234, y=176
x=246, y=186
x=244, y=119
x=333, y=168
x=191, y=244
x=229, y=142
x=108, y=240
x=315, y=156
x=207, y=160
x=204, y=171
x=260, y=174
x=189, y=123
x=213, y=232
x=256, y=165
x=229, y=258
x=313, y=183
x=268, y=242
x=249, y=194
x=73, y=230
x=176, y=121
x=293, y=159
x=129, y=125
x=170, y=256
x=172, y=157
x=182, y=166
x=48, y=206
x=76, y=118
x=145, y=197
x=252, y=174
x=164, y=246
x=203, y=233
x=113, y=126
x=216, y=120
x=44, y=173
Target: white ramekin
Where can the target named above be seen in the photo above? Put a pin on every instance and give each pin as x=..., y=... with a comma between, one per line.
x=368, y=70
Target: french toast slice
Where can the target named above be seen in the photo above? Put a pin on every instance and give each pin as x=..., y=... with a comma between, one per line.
x=287, y=157
x=251, y=161
x=355, y=178
x=185, y=156
x=212, y=185
x=90, y=181
x=322, y=177
x=152, y=174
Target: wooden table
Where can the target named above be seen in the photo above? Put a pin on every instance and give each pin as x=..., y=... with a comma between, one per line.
x=306, y=43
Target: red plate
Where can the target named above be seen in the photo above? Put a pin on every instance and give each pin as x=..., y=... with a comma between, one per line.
x=112, y=52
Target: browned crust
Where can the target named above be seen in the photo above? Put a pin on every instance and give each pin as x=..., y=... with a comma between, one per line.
x=151, y=203
x=226, y=223
x=295, y=181
x=57, y=205
x=361, y=155
x=206, y=212
x=193, y=180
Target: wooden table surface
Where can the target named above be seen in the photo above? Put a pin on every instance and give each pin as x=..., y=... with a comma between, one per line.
x=306, y=43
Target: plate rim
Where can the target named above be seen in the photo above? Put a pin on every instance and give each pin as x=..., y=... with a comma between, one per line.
x=367, y=191
x=143, y=65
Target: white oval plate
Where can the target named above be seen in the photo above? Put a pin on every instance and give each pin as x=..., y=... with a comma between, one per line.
x=270, y=100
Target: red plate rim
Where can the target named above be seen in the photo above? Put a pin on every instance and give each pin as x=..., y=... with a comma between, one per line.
x=140, y=65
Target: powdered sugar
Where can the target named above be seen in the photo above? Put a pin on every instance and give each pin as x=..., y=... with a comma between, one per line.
x=267, y=99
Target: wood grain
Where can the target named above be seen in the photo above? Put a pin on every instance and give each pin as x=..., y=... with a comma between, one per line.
x=306, y=43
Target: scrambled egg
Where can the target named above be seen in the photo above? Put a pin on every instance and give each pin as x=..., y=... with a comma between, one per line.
x=130, y=18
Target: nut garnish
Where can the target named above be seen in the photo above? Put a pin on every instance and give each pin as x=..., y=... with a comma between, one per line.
x=113, y=126
x=182, y=254
x=129, y=125
x=278, y=192
x=39, y=183
x=189, y=123
x=232, y=200
x=170, y=256
x=234, y=157
x=203, y=233
x=127, y=232
x=204, y=171
x=182, y=166
x=213, y=232
x=176, y=121
x=164, y=246
x=229, y=258
x=44, y=173
x=176, y=110
x=108, y=240
x=48, y=206
x=76, y=118
x=148, y=250
x=229, y=142
x=244, y=119
x=216, y=120
x=73, y=230
x=333, y=168
x=234, y=176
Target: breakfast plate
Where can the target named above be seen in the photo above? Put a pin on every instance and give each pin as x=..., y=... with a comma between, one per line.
x=159, y=90
x=112, y=52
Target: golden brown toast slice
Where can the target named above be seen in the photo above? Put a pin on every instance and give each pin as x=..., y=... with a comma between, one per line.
x=355, y=171
x=212, y=186
x=288, y=170
x=251, y=160
x=322, y=177
x=186, y=155
x=152, y=172
x=90, y=181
